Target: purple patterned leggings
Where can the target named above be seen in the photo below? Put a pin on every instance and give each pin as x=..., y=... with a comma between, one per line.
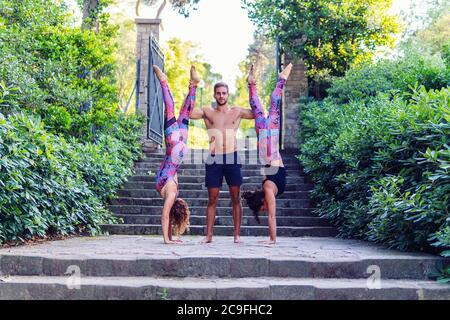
x=175, y=134
x=267, y=129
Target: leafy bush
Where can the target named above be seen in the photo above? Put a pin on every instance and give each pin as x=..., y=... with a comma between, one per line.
x=400, y=75
x=64, y=145
x=51, y=186
x=381, y=166
x=64, y=74
x=40, y=193
x=443, y=241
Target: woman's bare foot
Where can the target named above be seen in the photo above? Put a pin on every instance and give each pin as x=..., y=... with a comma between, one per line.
x=159, y=74
x=251, y=79
x=284, y=74
x=195, y=79
x=206, y=240
x=170, y=242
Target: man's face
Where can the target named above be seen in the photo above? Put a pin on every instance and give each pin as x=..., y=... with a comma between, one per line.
x=221, y=95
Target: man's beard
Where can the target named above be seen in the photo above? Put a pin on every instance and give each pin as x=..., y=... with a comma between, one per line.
x=221, y=104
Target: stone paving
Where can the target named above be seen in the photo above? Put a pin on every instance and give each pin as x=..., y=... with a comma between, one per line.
x=131, y=247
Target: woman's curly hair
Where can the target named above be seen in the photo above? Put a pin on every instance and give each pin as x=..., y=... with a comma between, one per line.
x=179, y=216
x=255, y=200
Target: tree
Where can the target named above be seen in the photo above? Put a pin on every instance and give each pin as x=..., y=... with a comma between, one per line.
x=436, y=36
x=262, y=54
x=183, y=6
x=92, y=11
x=329, y=35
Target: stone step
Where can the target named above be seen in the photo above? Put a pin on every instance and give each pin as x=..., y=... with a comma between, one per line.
x=158, y=288
x=155, y=165
x=201, y=172
x=201, y=179
x=195, y=202
x=306, y=257
x=228, y=220
x=253, y=231
x=219, y=266
x=204, y=152
x=201, y=160
x=201, y=186
x=201, y=211
x=143, y=193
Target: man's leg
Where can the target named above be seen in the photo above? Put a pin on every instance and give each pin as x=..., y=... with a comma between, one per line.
x=233, y=176
x=213, y=181
x=235, y=192
x=213, y=196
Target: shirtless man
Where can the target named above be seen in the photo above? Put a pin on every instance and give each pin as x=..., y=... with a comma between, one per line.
x=222, y=124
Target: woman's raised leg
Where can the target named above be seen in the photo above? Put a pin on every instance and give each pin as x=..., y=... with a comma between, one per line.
x=188, y=105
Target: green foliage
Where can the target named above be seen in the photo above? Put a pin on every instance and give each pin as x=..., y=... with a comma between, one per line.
x=367, y=80
x=434, y=37
x=179, y=56
x=329, y=35
x=183, y=7
x=381, y=167
x=442, y=240
x=52, y=186
x=64, y=145
x=40, y=192
x=62, y=73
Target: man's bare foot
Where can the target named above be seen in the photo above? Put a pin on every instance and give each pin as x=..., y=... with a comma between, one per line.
x=284, y=74
x=238, y=240
x=251, y=79
x=195, y=79
x=206, y=240
x=267, y=241
x=159, y=74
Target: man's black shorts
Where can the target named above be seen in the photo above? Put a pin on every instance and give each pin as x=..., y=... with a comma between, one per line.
x=223, y=165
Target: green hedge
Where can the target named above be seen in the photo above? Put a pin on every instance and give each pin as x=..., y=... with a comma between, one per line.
x=64, y=145
x=381, y=167
x=52, y=186
x=60, y=72
x=400, y=75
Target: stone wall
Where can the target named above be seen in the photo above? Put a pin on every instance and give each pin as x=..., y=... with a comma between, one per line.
x=296, y=86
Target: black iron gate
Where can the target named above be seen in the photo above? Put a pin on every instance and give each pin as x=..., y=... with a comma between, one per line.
x=154, y=94
x=279, y=62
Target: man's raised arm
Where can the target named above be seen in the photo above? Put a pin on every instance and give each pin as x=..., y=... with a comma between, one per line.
x=197, y=114
x=247, y=113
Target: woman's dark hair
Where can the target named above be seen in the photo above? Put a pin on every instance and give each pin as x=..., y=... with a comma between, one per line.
x=179, y=216
x=255, y=200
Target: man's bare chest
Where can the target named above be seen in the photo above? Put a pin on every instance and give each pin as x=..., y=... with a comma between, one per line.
x=218, y=120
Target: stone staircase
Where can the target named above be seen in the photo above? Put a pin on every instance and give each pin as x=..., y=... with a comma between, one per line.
x=308, y=262
x=142, y=267
x=139, y=204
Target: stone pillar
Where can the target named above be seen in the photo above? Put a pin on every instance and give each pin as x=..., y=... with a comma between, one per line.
x=144, y=29
x=296, y=87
